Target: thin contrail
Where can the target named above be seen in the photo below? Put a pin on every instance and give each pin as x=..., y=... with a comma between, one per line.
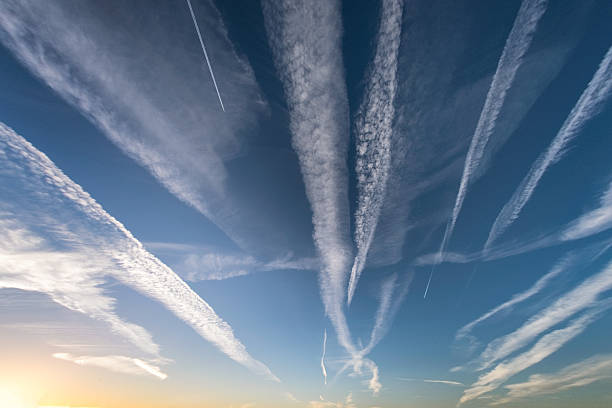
x=591, y=103
x=323, y=369
x=212, y=75
x=517, y=44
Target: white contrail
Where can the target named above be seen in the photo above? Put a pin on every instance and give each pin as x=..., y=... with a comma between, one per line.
x=392, y=294
x=374, y=130
x=540, y=284
x=596, y=368
x=582, y=297
x=138, y=102
x=591, y=102
x=517, y=44
x=212, y=75
x=120, y=364
x=305, y=38
x=67, y=206
x=592, y=222
x=323, y=369
x=544, y=347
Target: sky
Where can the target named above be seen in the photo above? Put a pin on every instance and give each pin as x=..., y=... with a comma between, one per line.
x=322, y=204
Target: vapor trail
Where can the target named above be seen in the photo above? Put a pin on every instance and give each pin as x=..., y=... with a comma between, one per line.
x=212, y=75
x=517, y=44
x=591, y=102
x=374, y=131
x=305, y=38
x=74, y=209
x=323, y=370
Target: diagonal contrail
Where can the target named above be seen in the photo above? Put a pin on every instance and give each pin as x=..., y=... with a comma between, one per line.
x=374, y=132
x=590, y=104
x=212, y=75
x=517, y=44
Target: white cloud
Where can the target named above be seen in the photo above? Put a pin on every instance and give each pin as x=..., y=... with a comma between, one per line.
x=143, y=86
x=582, y=297
x=539, y=285
x=306, y=42
x=373, y=127
x=120, y=364
x=44, y=199
x=592, y=222
x=590, y=104
x=518, y=42
x=588, y=371
x=543, y=348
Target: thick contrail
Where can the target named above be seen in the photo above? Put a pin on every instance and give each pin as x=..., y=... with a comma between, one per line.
x=374, y=130
x=212, y=75
x=591, y=102
x=517, y=44
x=305, y=38
x=55, y=197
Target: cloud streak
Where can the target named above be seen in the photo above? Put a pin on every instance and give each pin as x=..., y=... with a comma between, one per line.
x=373, y=128
x=592, y=222
x=575, y=301
x=543, y=348
x=43, y=196
x=306, y=42
x=588, y=371
x=517, y=44
x=323, y=369
x=120, y=364
x=590, y=104
x=539, y=285
x=152, y=103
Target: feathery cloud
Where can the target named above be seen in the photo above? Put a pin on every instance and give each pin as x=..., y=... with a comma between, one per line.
x=592, y=222
x=41, y=196
x=543, y=348
x=323, y=369
x=540, y=284
x=588, y=371
x=373, y=128
x=582, y=297
x=517, y=44
x=306, y=42
x=590, y=104
x=153, y=103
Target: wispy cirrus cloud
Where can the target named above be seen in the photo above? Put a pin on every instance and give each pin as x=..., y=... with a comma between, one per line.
x=120, y=364
x=198, y=263
x=592, y=222
x=445, y=382
x=140, y=82
x=373, y=128
x=590, y=104
x=518, y=43
x=569, y=262
x=582, y=297
x=53, y=210
x=544, y=347
x=588, y=371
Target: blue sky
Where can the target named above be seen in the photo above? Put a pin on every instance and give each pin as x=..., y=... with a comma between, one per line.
x=404, y=203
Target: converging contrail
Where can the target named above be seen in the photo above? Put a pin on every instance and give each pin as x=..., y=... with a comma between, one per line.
x=517, y=44
x=590, y=104
x=212, y=75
